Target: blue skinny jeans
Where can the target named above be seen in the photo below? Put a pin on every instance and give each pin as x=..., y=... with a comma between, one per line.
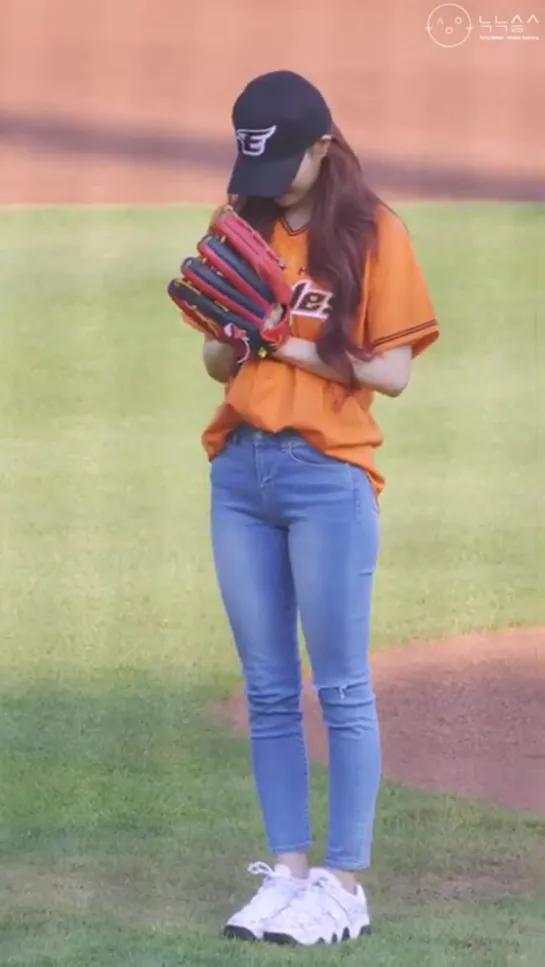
x=296, y=533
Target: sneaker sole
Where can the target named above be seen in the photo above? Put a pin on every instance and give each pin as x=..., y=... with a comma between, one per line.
x=284, y=940
x=233, y=932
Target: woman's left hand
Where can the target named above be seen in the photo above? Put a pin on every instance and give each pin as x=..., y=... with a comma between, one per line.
x=291, y=350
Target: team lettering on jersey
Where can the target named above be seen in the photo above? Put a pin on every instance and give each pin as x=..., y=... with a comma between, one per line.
x=308, y=300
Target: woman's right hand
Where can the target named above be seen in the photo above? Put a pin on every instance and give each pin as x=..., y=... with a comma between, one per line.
x=220, y=359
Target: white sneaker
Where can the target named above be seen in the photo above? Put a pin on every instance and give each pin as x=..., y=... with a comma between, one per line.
x=324, y=913
x=277, y=890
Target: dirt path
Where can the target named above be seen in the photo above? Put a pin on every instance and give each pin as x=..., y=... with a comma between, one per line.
x=464, y=715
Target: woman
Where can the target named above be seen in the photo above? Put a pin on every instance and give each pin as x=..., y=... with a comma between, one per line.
x=295, y=522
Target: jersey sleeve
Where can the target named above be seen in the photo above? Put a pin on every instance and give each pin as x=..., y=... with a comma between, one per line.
x=399, y=310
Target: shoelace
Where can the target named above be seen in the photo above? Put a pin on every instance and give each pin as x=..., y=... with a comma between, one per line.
x=269, y=876
x=320, y=906
x=264, y=870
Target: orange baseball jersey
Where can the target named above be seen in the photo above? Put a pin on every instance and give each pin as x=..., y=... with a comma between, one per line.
x=272, y=395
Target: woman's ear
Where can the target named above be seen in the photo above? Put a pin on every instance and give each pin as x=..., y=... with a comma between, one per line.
x=321, y=147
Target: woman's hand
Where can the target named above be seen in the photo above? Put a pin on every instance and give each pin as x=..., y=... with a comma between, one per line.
x=220, y=359
x=387, y=373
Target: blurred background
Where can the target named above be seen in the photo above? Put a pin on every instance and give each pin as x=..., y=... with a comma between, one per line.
x=111, y=100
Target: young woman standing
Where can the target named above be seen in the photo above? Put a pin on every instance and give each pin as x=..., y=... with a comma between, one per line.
x=295, y=493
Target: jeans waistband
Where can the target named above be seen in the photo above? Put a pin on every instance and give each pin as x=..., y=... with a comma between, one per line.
x=266, y=437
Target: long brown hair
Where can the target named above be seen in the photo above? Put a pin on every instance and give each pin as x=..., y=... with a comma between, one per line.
x=341, y=235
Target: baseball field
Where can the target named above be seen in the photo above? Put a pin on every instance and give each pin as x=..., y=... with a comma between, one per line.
x=128, y=815
x=127, y=811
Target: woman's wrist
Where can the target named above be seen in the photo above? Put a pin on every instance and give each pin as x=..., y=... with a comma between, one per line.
x=288, y=351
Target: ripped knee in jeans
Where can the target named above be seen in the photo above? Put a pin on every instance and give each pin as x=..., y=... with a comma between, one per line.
x=347, y=704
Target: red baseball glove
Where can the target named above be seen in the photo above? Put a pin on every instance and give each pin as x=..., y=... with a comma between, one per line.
x=234, y=289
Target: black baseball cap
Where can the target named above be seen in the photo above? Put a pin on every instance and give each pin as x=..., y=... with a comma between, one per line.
x=276, y=118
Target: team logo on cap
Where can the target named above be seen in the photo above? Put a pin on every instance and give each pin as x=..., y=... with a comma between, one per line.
x=253, y=141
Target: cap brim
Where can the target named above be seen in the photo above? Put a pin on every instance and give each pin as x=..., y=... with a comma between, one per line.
x=263, y=179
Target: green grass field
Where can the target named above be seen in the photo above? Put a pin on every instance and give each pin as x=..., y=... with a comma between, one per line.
x=127, y=816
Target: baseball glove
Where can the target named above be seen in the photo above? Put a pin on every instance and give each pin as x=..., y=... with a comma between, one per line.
x=234, y=289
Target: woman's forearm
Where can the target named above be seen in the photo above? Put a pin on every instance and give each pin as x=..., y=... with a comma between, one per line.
x=219, y=360
x=387, y=373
